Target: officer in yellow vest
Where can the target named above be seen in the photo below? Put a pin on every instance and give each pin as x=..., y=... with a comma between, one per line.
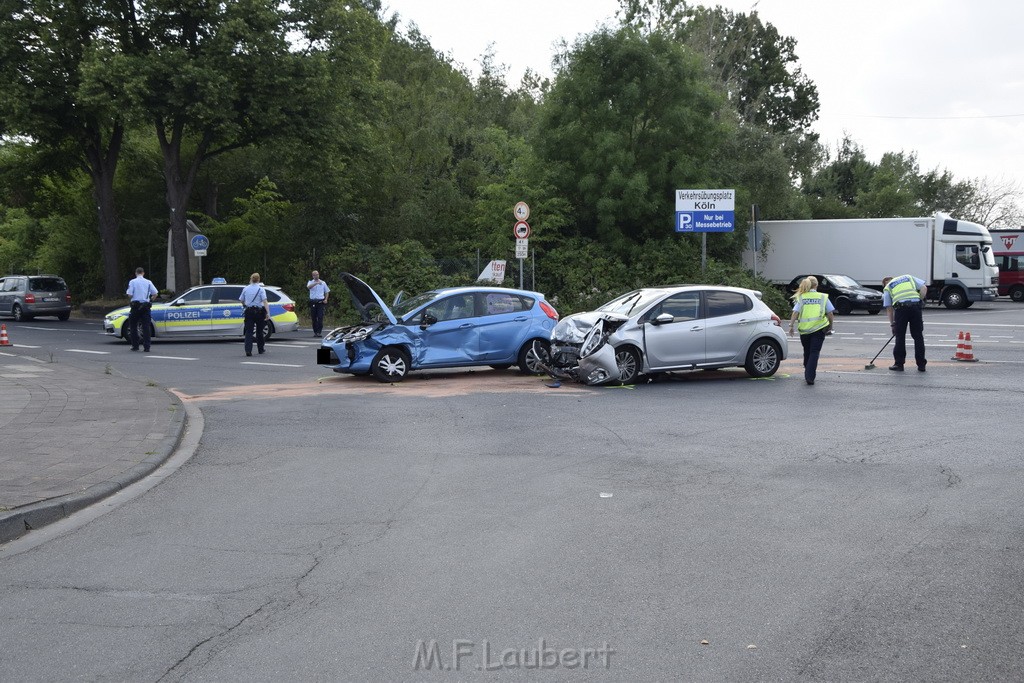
x=903, y=298
x=816, y=314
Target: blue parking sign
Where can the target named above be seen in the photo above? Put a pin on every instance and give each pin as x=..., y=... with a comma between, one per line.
x=705, y=221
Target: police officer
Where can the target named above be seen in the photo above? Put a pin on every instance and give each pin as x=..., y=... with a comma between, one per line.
x=257, y=309
x=141, y=292
x=318, y=293
x=903, y=298
x=816, y=314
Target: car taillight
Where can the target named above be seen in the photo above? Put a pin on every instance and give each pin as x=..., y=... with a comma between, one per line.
x=776, y=320
x=30, y=298
x=67, y=298
x=289, y=307
x=548, y=310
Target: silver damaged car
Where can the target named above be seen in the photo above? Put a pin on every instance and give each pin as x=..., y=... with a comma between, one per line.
x=664, y=329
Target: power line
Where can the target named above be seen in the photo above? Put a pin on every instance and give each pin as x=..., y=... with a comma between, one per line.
x=936, y=118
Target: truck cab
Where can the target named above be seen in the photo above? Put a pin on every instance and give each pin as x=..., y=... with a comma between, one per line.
x=1008, y=248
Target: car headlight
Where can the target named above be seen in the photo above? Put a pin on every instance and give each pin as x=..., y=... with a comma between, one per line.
x=861, y=297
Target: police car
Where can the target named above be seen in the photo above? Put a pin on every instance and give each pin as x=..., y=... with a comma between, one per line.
x=208, y=311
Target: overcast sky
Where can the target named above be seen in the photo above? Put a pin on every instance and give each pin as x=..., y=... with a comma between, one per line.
x=942, y=78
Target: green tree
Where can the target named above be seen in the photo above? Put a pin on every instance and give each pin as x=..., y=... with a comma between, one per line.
x=756, y=65
x=217, y=77
x=629, y=119
x=57, y=90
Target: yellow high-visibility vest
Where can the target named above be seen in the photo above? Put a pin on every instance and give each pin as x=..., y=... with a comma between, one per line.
x=903, y=288
x=812, y=312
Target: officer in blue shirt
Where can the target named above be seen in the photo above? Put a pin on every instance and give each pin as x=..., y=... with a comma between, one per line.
x=141, y=292
x=903, y=298
x=318, y=293
x=257, y=309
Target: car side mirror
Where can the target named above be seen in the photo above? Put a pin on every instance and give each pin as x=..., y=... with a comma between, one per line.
x=662, y=319
x=427, y=321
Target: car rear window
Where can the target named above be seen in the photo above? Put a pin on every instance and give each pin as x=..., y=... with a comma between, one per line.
x=46, y=284
x=496, y=303
x=727, y=303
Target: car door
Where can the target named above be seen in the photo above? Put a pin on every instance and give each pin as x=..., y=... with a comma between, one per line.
x=450, y=338
x=227, y=316
x=503, y=325
x=5, y=296
x=186, y=316
x=677, y=343
x=731, y=321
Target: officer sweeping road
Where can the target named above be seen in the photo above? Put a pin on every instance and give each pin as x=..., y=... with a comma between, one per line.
x=903, y=298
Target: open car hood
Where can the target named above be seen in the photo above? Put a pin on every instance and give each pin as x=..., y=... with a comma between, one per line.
x=365, y=299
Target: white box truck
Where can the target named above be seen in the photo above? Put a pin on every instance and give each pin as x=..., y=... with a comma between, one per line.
x=954, y=257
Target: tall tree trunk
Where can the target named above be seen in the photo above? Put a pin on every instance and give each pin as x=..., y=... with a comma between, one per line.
x=179, y=183
x=102, y=166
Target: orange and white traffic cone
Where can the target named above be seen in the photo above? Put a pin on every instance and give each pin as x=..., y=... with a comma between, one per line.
x=4, y=341
x=968, y=349
x=959, y=347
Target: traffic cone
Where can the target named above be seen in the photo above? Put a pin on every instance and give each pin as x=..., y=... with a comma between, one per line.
x=4, y=341
x=959, y=347
x=968, y=349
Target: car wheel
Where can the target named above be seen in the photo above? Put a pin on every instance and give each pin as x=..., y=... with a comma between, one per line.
x=534, y=357
x=268, y=330
x=390, y=365
x=843, y=306
x=955, y=298
x=1017, y=294
x=18, y=314
x=503, y=366
x=874, y=311
x=63, y=316
x=628, y=361
x=763, y=358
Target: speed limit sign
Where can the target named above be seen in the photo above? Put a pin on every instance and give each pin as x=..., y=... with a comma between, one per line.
x=521, y=230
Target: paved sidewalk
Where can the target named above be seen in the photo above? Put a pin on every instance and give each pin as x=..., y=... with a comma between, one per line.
x=71, y=437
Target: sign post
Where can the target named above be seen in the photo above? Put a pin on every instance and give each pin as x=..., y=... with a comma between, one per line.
x=200, y=244
x=521, y=231
x=705, y=211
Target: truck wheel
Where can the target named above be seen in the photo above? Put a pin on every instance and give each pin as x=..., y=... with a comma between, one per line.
x=1017, y=293
x=954, y=298
x=843, y=306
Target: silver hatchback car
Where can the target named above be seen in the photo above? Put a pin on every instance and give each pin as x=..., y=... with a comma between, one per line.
x=662, y=329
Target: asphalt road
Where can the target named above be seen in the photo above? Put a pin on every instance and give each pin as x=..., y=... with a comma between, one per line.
x=703, y=527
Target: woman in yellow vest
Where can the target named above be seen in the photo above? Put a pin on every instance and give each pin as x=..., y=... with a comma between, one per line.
x=816, y=314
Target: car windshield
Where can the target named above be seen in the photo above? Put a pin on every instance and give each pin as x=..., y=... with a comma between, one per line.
x=403, y=308
x=636, y=300
x=842, y=281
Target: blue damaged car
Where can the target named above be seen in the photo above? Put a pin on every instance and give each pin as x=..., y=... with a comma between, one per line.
x=442, y=328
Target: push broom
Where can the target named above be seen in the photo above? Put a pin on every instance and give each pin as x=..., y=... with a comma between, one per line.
x=871, y=365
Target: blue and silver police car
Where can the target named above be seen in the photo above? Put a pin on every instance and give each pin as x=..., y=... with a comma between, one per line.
x=208, y=311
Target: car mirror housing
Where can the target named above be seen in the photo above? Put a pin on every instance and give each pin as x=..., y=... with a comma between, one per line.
x=662, y=319
x=427, y=320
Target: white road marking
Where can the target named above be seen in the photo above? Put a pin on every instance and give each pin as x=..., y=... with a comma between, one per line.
x=276, y=365
x=171, y=357
x=100, y=353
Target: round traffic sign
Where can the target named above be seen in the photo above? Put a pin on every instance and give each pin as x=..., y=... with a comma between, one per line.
x=521, y=211
x=521, y=230
x=200, y=242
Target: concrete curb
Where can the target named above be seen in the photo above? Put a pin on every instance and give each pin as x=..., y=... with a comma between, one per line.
x=19, y=521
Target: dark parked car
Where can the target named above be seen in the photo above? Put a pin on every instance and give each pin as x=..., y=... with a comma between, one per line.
x=24, y=297
x=845, y=293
